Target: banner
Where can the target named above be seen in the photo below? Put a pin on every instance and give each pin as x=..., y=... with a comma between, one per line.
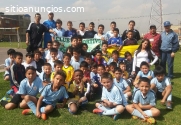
x=65, y=42
x=130, y=49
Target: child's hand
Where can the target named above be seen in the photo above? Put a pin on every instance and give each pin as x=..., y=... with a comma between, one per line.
x=95, y=85
x=162, y=102
x=149, y=77
x=84, y=79
x=60, y=106
x=110, y=104
x=133, y=73
x=102, y=38
x=38, y=114
x=144, y=114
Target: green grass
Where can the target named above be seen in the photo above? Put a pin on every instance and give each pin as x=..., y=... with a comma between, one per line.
x=21, y=45
x=63, y=117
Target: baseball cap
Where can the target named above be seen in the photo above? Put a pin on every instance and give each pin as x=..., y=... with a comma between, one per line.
x=167, y=23
x=152, y=26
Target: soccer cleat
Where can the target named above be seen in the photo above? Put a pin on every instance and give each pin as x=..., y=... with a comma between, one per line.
x=150, y=120
x=97, y=111
x=169, y=105
x=44, y=116
x=27, y=111
x=115, y=117
x=134, y=117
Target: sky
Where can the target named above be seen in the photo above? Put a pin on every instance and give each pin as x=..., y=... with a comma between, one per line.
x=102, y=11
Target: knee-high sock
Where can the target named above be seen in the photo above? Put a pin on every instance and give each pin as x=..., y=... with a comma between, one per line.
x=32, y=106
x=148, y=113
x=103, y=107
x=169, y=98
x=112, y=111
x=42, y=109
x=137, y=113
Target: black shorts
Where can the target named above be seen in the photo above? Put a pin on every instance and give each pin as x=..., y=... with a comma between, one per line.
x=16, y=99
x=159, y=95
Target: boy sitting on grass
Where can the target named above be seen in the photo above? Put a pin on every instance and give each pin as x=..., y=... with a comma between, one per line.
x=112, y=101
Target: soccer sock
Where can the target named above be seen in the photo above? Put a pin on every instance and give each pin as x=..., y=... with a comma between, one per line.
x=169, y=98
x=103, y=107
x=148, y=113
x=32, y=106
x=42, y=109
x=137, y=113
x=112, y=111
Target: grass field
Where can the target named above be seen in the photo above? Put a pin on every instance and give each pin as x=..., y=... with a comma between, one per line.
x=21, y=45
x=86, y=117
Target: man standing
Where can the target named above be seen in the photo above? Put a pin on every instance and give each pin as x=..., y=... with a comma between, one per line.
x=169, y=46
x=155, y=40
x=34, y=34
x=136, y=34
x=50, y=24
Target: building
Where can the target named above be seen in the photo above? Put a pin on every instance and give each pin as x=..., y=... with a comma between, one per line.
x=21, y=20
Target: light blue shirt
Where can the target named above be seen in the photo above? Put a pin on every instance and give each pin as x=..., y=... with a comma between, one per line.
x=110, y=34
x=122, y=84
x=161, y=85
x=33, y=89
x=60, y=32
x=114, y=95
x=42, y=76
x=150, y=73
x=149, y=99
x=7, y=64
x=76, y=64
x=52, y=97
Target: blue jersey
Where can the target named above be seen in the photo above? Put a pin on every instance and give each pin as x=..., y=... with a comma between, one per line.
x=149, y=99
x=50, y=24
x=121, y=84
x=52, y=97
x=70, y=33
x=114, y=95
x=141, y=74
x=43, y=77
x=115, y=40
x=161, y=85
x=33, y=89
x=60, y=32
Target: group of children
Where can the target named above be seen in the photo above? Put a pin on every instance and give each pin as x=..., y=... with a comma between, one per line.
x=76, y=77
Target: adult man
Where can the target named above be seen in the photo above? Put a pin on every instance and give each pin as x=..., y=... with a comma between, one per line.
x=50, y=24
x=169, y=47
x=34, y=34
x=136, y=34
x=155, y=40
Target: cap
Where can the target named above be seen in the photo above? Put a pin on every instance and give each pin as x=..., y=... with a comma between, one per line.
x=50, y=12
x=152, y=26
x=167, y=23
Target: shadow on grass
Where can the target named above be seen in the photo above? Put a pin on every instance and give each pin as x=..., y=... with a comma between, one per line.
x=177, y=75
x=54, y=113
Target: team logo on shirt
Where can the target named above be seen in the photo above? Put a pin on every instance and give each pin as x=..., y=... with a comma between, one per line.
x=34, y=88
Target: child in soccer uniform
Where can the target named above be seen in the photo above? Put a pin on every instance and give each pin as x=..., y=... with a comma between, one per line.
x=29, y=61
x=114, y=58
x=113, y=101
x=112, y=67
x=17, y=72
x=100, y=34
x=145, y=72
x=78, y=92
x=49, y=46
x=81, y=30
x=8, y=63
x=125, y=74
x=122, y=83
x=67, y=68
x=70, y=32
x=129, y=40
x=88, y=59
x=99, y=59
x=115, y=41
x=39, y=61
x=105, y=54
x=59, y=56
x=90, y=33
x=162, y=87
x=45, y=75
x=128, y=61
x=30, y=86
x=49, y=97
x=53, y=54
x=84, y=66
x=76, y=59
x=144, y=102
x=110, y=33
